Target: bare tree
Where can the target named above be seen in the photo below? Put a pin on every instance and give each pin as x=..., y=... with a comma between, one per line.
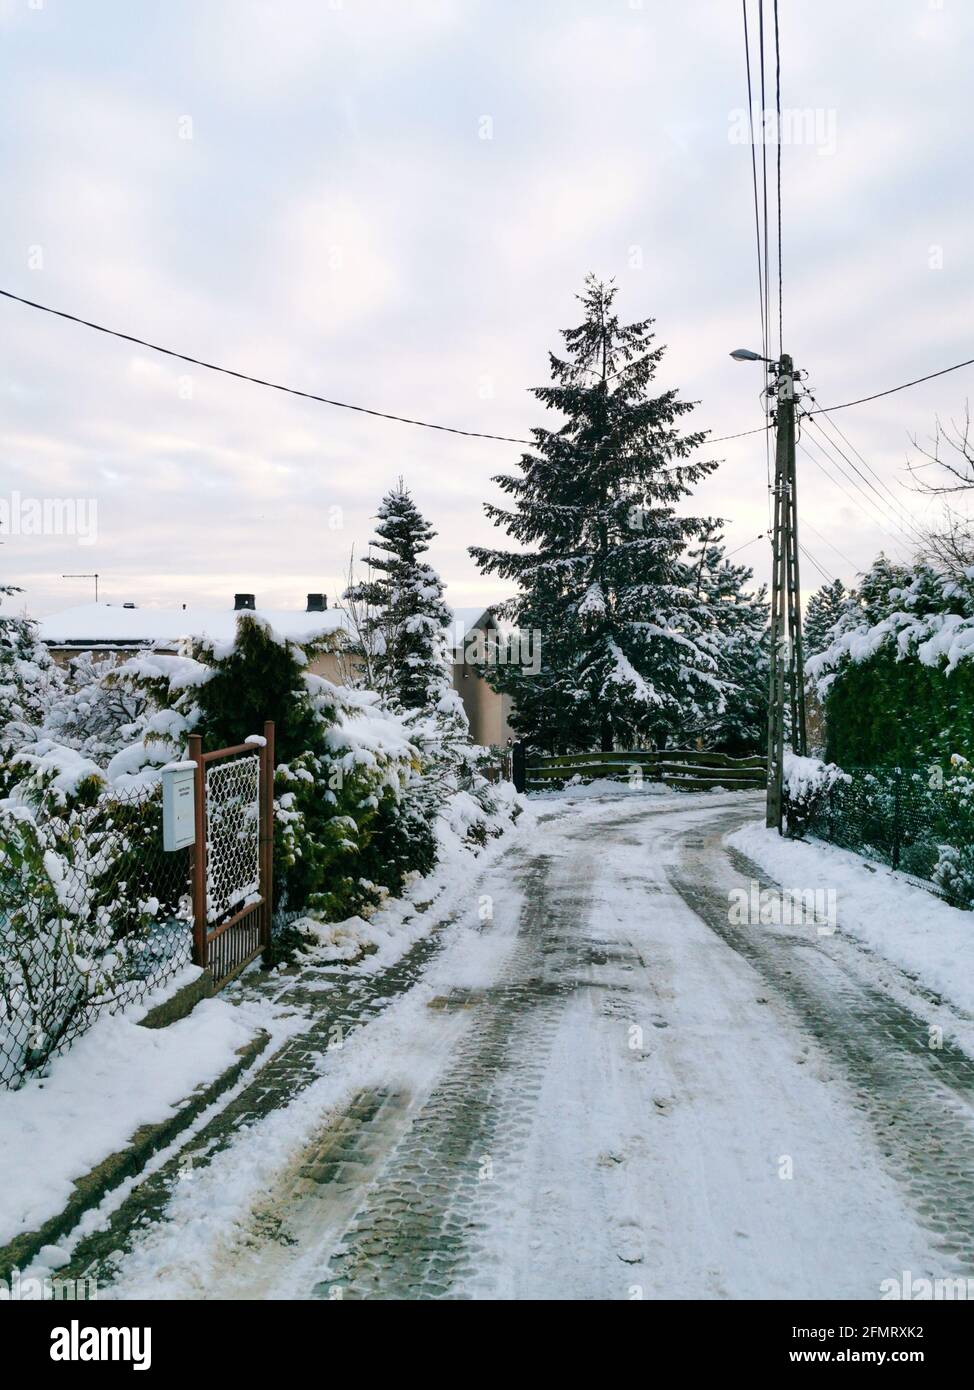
x=952, y=452
x=949, y=544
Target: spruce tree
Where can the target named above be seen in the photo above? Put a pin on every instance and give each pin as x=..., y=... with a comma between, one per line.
x=824, y=610
x=627, y=655
x=737, y=721
x=874, y=594
x=405, y=615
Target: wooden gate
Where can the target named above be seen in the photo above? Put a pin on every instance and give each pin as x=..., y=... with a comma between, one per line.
x=233, y=853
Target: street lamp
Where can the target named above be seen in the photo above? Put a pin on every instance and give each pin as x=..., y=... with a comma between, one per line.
x=746, y=355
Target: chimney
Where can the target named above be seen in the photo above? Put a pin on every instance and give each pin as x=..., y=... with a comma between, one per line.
x=243, y=601
x=317, y=603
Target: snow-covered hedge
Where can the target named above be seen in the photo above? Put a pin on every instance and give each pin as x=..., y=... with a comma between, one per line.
x=805, y=783
x=897, y=677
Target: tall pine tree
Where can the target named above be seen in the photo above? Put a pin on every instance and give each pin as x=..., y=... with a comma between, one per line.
x=405, y=617
x=737, y=723
x=825, y=607
x=627, y=649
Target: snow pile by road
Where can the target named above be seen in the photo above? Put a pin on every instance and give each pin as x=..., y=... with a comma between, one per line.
x=117, y=1077
x=908, y=925
x=577, y=790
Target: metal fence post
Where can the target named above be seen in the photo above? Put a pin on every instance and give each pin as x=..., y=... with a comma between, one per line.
x=518, y=766
x=897, y=819
x=267, y=832
x=199, y=853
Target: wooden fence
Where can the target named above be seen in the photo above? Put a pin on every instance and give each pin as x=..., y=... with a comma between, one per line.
x=683, y=768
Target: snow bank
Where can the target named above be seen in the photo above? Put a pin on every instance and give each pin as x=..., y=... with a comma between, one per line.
x=601, y=786
x=909, y=926
x=117, y=1077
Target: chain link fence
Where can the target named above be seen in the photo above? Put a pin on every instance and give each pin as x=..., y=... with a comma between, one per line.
x=917, y=820
x=94, y=916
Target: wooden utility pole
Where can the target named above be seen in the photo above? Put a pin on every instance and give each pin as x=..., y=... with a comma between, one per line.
x=787, y=676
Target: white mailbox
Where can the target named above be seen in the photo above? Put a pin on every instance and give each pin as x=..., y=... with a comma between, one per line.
x=178, y=805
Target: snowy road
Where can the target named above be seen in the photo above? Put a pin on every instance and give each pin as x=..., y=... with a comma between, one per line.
x=600, y=1089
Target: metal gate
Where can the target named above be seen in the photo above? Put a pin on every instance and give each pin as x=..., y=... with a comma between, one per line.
x=233, y=853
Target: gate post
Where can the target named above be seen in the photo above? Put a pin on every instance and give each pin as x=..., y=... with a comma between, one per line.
x=199, y=853
x=267, y=832
x=518, y=766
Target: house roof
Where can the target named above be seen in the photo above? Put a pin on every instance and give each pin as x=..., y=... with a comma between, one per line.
x=112, y=625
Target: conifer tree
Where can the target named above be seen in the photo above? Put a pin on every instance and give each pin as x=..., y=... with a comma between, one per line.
x=627, y=655
x=824, y=610
x=27, y=677
x=736, y=723
x=405, y=616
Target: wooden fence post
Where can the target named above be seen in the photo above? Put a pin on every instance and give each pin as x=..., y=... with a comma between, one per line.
x=199, y=853
x=518, y=766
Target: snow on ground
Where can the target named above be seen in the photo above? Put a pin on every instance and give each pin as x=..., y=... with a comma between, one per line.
x=202, y=1251
x=117, y=1077
x=912, y=928
x=600, y=787
x=654, y=1125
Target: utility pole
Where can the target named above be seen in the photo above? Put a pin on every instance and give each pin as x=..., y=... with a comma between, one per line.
x=787, y=676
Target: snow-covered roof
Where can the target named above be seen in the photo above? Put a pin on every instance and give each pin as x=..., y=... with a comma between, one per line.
x=470, y=617
x=113, y=625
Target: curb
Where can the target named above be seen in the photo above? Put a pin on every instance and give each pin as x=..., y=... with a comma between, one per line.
x=94, y=1186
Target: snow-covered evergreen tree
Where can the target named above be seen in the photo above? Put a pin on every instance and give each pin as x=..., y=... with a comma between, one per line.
x=627, y=648
x=873, y=598
x=27, y=677
x=404, y=615
x=737, y=722
x=826, y=606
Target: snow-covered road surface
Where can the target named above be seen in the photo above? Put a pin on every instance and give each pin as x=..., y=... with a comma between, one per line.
x=599, y=1089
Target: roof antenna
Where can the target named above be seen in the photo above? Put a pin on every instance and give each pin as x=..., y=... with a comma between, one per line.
x=84, y=576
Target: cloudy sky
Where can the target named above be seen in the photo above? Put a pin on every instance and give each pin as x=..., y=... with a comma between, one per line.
x=393, y=202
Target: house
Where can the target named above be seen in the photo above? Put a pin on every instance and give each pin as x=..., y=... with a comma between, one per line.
x=121, y=629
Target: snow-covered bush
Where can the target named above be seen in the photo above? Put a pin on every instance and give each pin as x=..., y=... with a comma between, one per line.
x=81, y=915
x=93, y=711
x=897, y=678
x=28, y=677
x=954, y=871
x=805, y=784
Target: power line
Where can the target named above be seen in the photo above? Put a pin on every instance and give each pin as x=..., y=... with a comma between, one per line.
x=822, y=410
x=777, y=87
x=896, y=540
x=256, y=380
x=898, y=519
x=764, y=181
x=827, y=449
x=404, y=419
x=807, y=525
x=821, y=568
x=760, y=537
x=762, y=303
x=865, y=463
x=754, y=177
